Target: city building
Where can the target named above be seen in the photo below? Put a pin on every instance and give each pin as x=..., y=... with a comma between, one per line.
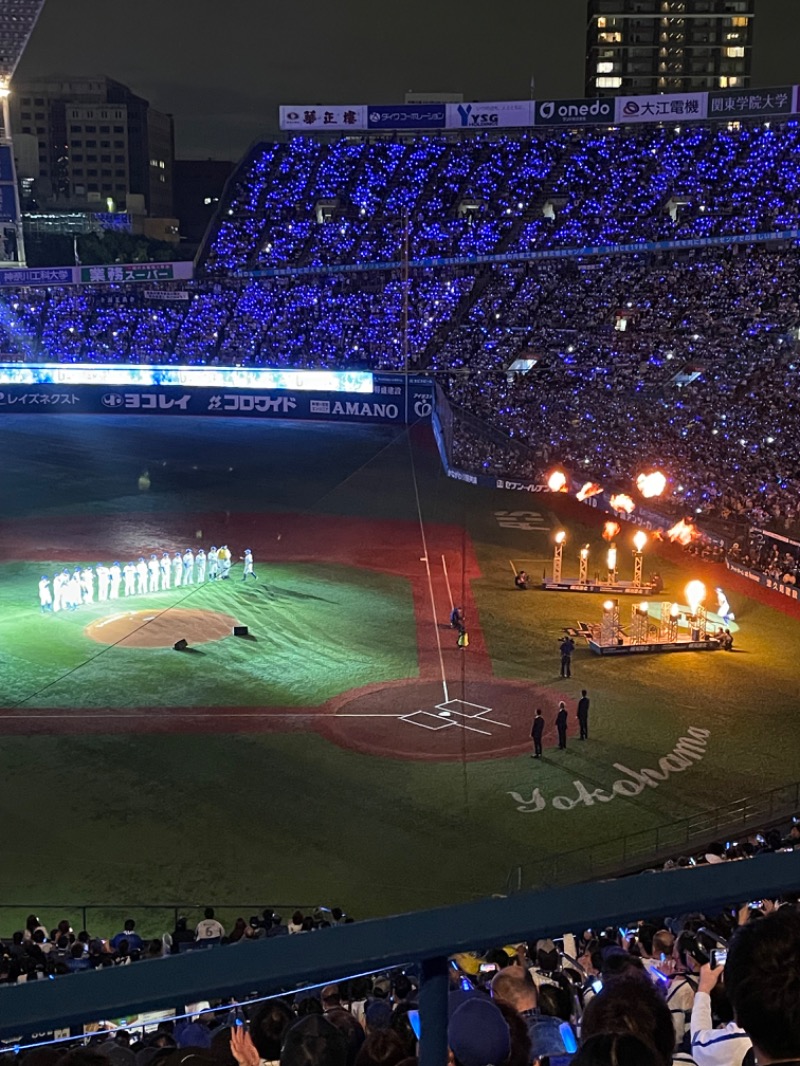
x=664, y=46
x=199, y=184
x=97, y=145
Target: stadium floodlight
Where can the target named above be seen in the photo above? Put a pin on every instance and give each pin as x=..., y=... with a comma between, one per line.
x=17, y=20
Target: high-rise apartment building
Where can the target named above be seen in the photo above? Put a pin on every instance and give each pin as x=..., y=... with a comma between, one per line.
x=663, y=46
x=98, y=142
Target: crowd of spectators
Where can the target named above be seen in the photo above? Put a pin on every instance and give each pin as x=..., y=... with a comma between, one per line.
x=681, y=361
x=720, y=988
x=36, y=952
x=446, y=196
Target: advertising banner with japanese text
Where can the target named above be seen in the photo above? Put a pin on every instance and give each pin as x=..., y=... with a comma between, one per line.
x=125, y=272
x=660, y=108
x=37, y=276
x=323, y=117
x=387, y=404
x=746, y=103
x=108, y=274
x=406, y=116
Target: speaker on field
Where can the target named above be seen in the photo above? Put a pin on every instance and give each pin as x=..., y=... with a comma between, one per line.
x=181, y=645
x=241, y=631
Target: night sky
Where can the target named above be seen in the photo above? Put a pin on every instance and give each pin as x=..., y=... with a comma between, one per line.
x=223, y=66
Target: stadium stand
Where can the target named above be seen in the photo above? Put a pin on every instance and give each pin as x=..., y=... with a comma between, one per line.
x=692, y=980
x=686, y=356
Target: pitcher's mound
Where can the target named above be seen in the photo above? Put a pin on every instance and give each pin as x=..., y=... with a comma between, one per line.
x=150, y=629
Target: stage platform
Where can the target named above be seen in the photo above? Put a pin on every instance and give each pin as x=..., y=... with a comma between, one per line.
x=621, y=588
x=653, y=647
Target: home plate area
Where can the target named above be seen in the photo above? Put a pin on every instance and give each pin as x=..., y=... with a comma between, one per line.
x=417, y=720
x=458, y=713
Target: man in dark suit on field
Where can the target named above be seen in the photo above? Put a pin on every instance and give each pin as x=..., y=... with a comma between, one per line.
x=583, y=714
x=537, y=730
x=561, y=726
x=567, y=647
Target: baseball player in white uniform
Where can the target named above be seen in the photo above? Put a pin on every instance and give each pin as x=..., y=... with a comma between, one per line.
x=152, y=569
x=188, y=567
x=58, y=592
x=142, y=575
x=103, y=580
x=213, y=564
x=248, y=566
x=87, y=580
x=166, y=566
x=45, y=595
x=129, y=573
x=115, y=580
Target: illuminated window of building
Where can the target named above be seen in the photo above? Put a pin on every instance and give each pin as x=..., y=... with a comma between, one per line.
x=605, y=68
x=735, y=52
x=608, y=83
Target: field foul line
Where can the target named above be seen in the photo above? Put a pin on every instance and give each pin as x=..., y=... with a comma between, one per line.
x=449, y=590
x=167, y=715
x=426, y=560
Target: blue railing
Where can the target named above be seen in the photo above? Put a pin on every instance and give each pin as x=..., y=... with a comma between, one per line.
x=426, y=938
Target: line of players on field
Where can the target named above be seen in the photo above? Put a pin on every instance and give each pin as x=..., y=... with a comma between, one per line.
x=70, y=590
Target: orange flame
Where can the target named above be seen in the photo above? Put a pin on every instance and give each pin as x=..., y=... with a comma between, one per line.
x=588, y=490
x=621, y=502
x=557, y=482
x=651, y=485
x=682, y=532
x=610, y=530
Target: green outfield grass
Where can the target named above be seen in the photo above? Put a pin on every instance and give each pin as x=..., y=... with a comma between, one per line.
x=291, y=816
x=316, y=629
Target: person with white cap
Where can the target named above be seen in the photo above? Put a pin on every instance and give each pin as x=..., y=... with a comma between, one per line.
x=248, y=566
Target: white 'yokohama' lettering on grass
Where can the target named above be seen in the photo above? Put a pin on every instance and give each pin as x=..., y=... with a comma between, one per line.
x=688, y=750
